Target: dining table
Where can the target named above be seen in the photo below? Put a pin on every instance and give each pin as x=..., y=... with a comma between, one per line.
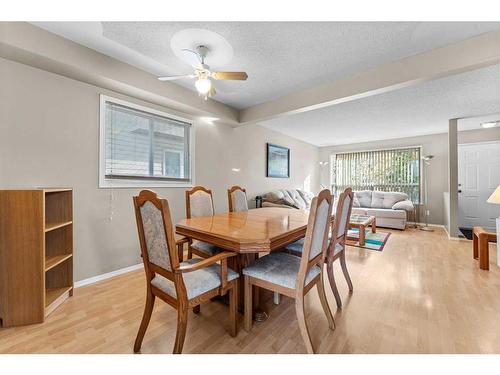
x=248, y=233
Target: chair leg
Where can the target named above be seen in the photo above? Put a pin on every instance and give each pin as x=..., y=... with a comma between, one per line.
x=182, y=315
x=146, y=317
x=344, y=270
x=248, y=304
x=324, y=303
x=333, y=285
x=190, y=252
x=233, y=310
x=299, y=309
x=197, y=309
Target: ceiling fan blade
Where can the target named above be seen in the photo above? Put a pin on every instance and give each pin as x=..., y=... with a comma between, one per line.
x=236, y=76
x=172, y=78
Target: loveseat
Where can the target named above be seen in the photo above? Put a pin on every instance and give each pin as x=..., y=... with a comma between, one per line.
x=390, y=208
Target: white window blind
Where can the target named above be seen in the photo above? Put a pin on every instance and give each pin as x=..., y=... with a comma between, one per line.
x=383, y=170
x=140, y=145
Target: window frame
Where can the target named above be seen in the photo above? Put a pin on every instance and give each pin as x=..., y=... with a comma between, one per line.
x=420, y=164
x=141, y=181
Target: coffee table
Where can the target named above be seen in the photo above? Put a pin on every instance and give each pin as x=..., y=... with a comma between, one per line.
x=361, y=222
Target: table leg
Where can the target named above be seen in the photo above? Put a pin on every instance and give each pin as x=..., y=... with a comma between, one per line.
x=276, y=298
x=258, y=314
x=362, y=235
x=374, y=226
x=484, y=261
x=475, y=251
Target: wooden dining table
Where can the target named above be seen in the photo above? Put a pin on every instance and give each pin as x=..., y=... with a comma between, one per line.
x=248, y=233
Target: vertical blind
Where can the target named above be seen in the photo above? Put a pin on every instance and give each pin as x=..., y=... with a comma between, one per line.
x=140, y=145
x=383, y=170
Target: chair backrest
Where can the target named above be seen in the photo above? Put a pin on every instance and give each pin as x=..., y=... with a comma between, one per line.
x=343, y=214
x=156, y=236
x=199, y=202
x=237, y=199
x=316, y=239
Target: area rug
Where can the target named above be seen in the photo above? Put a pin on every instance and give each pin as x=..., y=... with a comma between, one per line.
x=374, y=241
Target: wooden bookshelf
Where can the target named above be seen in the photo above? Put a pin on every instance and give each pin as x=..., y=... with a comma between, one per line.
x=36, y=244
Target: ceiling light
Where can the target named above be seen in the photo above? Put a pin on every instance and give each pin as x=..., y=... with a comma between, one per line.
x=203, y=85
x=490, y=124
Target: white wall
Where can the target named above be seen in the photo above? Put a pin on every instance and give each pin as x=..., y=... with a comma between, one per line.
x=49, y=128
x=479, y=135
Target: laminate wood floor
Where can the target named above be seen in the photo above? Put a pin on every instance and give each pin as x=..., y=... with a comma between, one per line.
x=422, y=294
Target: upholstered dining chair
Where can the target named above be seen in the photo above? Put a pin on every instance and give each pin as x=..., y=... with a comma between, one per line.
x=182, y=285
x=237, y=199
x=199, y=202
x=336, y=247
x=293, y=276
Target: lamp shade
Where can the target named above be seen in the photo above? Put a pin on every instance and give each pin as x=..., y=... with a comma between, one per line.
x=495, y=197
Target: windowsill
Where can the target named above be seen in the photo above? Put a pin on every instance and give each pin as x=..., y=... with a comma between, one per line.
x=134, y=184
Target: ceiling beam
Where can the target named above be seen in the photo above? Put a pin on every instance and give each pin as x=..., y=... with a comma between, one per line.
x=31, y=45
x=466, y=55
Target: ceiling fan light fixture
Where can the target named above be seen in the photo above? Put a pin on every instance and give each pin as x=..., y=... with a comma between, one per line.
x=203, y=85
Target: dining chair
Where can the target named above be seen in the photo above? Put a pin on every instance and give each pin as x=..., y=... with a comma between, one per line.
x=337, y=242
x=336, y=248
x=199, y=202
x=237, y=199
x=183, y=285
x=293, y=276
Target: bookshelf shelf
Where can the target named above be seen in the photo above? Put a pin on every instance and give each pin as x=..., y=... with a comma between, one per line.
x=54, y=260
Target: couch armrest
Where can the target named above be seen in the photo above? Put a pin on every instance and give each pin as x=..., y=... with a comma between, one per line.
x=405, y=205
x=269, y=204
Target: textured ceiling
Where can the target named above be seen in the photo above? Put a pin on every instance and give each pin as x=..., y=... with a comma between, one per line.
x=415, y=110
x=279, y=57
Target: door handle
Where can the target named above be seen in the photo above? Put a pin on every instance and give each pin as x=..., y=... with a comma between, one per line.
x=460, y=191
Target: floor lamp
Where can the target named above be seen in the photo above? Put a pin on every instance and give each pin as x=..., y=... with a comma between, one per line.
x=427, y=161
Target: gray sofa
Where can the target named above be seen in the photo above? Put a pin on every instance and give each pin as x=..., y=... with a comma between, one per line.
x=390, y=208
x=288, y=198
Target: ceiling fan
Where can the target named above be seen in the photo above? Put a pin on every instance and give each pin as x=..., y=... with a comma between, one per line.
x=203, y=74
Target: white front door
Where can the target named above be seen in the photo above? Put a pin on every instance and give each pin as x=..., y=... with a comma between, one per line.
x=478, y=177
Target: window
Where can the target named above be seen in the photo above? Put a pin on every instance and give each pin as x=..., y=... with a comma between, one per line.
x=384, y=170
x=143, y=147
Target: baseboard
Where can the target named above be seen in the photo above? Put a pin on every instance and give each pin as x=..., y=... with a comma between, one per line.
x=431, y=225
x=442, y=227
x=95, y=279
x=452, y=238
